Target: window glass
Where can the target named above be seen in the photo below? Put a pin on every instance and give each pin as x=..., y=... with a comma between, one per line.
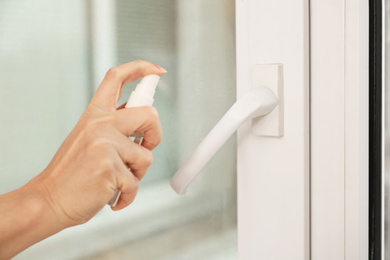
x=53, y=54
x=44, y=83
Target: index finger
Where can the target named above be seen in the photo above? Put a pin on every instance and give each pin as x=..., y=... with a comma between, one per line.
x=110, y=90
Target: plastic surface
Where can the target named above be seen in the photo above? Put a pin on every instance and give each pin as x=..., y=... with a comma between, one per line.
x=255, y=103
x=144, y=92
x=270, y=75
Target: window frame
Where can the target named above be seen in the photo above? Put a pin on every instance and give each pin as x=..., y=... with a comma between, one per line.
x=273, y=197
x=339, y=184
x=338, y=197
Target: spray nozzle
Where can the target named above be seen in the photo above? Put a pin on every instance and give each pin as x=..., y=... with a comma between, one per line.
x=144, y=92
x=150, y=81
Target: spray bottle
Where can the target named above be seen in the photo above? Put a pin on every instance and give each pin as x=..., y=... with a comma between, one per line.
x=141, y=96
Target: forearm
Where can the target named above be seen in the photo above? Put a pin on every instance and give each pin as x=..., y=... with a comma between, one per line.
x=26, y=219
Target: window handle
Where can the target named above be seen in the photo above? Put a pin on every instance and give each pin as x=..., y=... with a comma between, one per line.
x=255, y=103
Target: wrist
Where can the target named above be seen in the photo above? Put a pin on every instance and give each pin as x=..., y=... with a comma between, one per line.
x=42, y=206
x=26, y=220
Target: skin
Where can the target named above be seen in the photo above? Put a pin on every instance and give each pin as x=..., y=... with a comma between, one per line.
x=93, y=161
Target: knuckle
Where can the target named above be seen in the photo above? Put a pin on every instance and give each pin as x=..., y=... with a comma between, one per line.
x=148, y=158
x=112, y=73
x=91, y=126
x=102, y=145
x=135, y=184
x=94, y=126
x=107, y=165
x=143, y=66
x=153, y=113
x=159, y=138
x=140, y=62
x=98, y=144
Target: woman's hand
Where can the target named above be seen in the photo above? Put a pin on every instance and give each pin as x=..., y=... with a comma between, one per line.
x=98, y=157
x=94, y=160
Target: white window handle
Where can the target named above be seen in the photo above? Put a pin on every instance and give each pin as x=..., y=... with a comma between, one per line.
x=255, y=103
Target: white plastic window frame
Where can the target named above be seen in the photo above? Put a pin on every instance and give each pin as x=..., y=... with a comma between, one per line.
x=339, y=129
x=273, y=172
x=283, y=212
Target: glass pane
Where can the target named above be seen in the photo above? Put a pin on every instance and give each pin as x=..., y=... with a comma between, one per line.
x=44, y=79
x=53, y=54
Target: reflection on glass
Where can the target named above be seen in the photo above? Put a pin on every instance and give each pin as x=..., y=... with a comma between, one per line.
x=52, y=56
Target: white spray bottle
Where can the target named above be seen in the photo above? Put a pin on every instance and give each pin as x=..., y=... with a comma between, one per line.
x=141, y=96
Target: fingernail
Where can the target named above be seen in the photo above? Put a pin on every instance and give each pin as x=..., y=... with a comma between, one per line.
x=160, y=68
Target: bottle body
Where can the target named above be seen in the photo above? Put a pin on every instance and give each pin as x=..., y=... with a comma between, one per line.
x=137, y=138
